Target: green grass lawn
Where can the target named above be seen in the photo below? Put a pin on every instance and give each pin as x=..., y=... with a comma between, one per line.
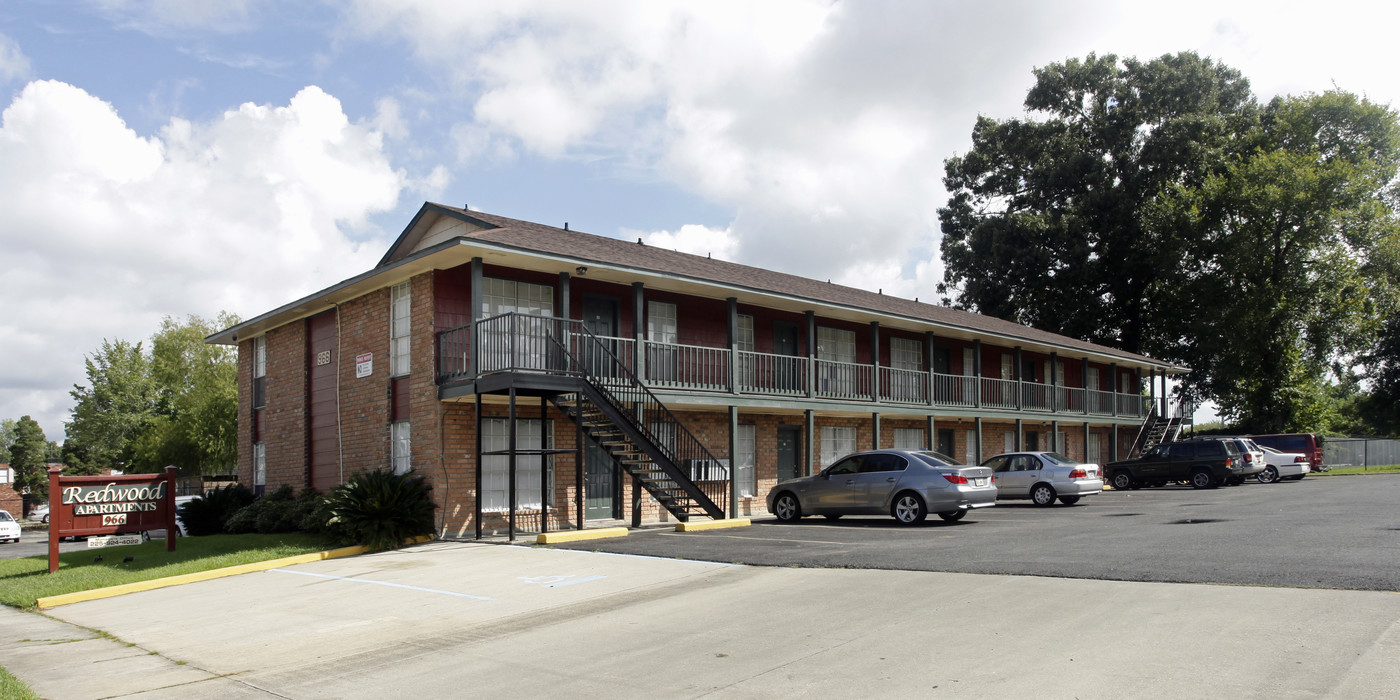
x=13, y=688
x=23, y=581
x=1387, y=469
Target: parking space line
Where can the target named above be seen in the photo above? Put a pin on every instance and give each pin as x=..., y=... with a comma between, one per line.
x=384, y=583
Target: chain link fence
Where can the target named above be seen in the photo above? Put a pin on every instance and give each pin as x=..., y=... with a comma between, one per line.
x=1360, y=452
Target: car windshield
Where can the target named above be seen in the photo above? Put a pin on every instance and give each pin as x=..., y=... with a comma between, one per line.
x=1058, y=458
x=938, y=459
x=5, y=517
x=1270, y=450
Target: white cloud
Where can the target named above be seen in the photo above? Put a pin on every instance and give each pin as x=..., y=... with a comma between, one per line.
x=107, y=231
x=13, y=63
x=170, y=17
x=692, y=238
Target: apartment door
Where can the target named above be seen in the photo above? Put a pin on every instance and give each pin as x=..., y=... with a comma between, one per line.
x=789, y=451
x=601, y=485
x=945, y=441
x=600, y=319
x=785, y=343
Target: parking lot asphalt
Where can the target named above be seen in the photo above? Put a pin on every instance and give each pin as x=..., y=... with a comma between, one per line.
x=1332, y=532
x=484, y=620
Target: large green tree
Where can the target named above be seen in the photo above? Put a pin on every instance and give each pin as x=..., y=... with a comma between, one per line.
x=7, y=438
x=1155, y=206
x=1286, y=259
x=1048, y=223
x=115, y=408
x=29, y=457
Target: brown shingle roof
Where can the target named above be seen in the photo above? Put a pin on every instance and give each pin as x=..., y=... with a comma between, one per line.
x=526, y=235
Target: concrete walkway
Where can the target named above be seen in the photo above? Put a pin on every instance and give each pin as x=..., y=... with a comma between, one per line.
x=471, y=620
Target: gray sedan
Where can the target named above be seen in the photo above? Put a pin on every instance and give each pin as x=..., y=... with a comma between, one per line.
x=1043, y=477
x=906, y=485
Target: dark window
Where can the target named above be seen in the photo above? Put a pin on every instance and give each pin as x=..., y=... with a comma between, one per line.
x=998, y=464
x=1183, y=450
x=259, y=392
x=849, y=465
x=883, y=463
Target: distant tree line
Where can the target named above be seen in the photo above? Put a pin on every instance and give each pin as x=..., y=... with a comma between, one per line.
x=1158, y=207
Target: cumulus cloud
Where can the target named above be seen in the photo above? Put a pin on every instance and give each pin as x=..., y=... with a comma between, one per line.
x=170, y=17
x=108, y=230
x=694, y=239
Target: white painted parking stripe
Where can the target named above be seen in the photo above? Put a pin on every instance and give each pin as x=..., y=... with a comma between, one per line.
x=383, y=583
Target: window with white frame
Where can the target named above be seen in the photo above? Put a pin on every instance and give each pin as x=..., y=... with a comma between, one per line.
x=1092, y=380
x=1061, y=443
x=969, y=363
x=400, y=306
x=662, y=322
x=743, y=342
x=907, y=361
x=528, y=347
x=5, y=477
x=970, y=451
x=495, y=469
x=909, y=439
x=259, y=466
x=837, y=345
x=1094, y=453
x=260, y=371
x=745, y=457
x=837, y=442
x=1008, y=441
x=400, y=444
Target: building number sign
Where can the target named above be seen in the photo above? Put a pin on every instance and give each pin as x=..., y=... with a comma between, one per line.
x=323, y=358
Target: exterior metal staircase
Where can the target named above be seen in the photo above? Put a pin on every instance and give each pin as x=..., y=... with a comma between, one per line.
x=1157, y=429
x=624, y=418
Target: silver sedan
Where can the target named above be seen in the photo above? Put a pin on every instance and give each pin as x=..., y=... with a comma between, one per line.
x=907, y=485
x=1043, y=477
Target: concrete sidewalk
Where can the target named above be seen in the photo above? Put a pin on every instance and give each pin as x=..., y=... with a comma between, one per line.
x=467, y=620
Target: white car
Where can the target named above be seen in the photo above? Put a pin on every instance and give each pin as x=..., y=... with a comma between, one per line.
x=1282, y=465
x=40, y=514
x=1044, y=477
x=9, y=528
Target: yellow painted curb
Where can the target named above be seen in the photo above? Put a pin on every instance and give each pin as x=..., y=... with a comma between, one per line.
x=137, y=587
x=712, y=524
x=577, y=535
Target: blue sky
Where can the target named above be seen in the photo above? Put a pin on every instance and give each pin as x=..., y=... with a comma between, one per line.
x=178, y=157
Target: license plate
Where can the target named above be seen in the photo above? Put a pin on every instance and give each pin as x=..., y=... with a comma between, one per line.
x=980, y=481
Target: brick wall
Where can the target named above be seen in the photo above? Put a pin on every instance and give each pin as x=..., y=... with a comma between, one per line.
x=284, y=417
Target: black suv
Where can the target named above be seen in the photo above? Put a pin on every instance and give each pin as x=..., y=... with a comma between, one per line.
x=1205, y=463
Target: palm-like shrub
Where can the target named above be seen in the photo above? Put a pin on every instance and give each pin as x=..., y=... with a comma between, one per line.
x=208, y=514
x=381, y=509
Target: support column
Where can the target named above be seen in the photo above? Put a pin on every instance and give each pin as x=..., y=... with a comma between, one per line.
x=563, y=305
x=1016, y=374
x=639, y=333
x=875, y=361
x=475, y=347
x=733, y=509
x=1165, y=402
x=977, y=428
x=1113, y=387
x=810, y=418
x=544, y=469
x=1084, y=380
x=928, y=369
x=731, y=306
x=510, y=461
x=1020, y=435
x=931, y=439
x=1054, y=382
x=477, y=486
x=1086, y=445
x=811, y=319
x=1055, y=437
x=875, y=430
x=580, y=462
x=977, y=370
x=1151, y=397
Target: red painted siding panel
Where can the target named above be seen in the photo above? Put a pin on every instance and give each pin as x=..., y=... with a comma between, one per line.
x=322, y=436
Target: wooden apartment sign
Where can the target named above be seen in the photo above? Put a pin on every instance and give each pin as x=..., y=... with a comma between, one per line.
x=109, y=505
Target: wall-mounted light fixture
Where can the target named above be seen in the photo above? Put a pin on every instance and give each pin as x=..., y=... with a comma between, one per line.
x=581, y=270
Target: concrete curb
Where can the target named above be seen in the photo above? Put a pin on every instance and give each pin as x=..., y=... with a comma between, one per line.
x=579, y=535
x=713, y=524
x=182, y=579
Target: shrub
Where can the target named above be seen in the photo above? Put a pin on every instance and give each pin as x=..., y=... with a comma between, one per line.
x=381, y=509
x=280, y=511
x=210, y=513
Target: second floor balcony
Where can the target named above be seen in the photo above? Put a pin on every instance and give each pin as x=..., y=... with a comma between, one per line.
x=523, y=343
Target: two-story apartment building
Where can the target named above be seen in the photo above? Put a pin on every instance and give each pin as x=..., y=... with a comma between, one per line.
x=528, y=370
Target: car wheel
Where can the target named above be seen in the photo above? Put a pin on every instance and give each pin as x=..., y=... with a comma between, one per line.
x=1043, y=495
x=833, y=516
x=1201, y=479
x=1122, y=481
x=786, y=507
x=46, y=519
x=908, y=508
x=1268, y=476
x=1069, y=500
x=953, y=516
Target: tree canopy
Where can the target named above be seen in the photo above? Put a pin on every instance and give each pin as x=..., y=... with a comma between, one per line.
x=1157, y=207
x=29, y=457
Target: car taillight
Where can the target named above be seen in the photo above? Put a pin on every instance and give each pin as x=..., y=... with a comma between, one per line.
x=1299, y=458
x=955, y=478
x=1078, y=474
x=1247, y=457
x=1228, y=463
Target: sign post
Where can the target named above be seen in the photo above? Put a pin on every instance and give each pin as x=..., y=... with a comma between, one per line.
x=110, y=505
